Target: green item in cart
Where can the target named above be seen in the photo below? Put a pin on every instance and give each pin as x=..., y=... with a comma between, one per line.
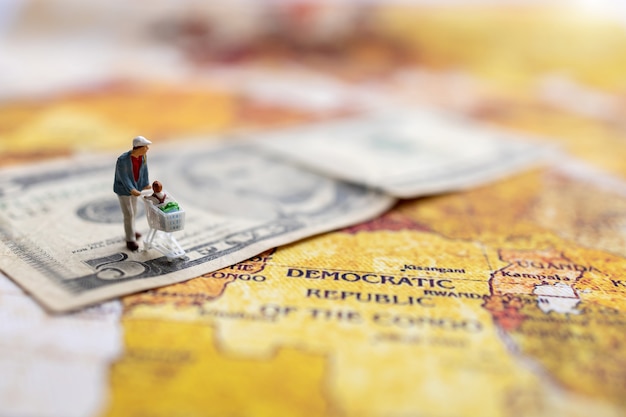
x=170, y=207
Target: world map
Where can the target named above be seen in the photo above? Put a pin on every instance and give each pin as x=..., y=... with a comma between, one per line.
x=503, y=300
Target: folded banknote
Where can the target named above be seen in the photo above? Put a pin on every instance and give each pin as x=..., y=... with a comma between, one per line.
x=408, y=152
x=61, y=232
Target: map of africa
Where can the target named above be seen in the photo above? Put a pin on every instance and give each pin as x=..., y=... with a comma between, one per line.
x=501, y=316
x=503, y=300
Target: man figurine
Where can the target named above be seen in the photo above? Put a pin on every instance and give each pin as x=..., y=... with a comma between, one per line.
x=131, y=176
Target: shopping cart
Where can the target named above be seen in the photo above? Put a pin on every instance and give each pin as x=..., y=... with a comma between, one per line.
x=162, y=225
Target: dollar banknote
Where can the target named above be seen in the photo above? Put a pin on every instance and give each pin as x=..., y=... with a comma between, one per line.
x=409, y=152
x=61, y=233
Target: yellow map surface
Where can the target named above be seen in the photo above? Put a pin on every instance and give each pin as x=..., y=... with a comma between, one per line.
x=505, y=300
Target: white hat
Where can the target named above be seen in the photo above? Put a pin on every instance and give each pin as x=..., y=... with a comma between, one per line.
x=140, y=141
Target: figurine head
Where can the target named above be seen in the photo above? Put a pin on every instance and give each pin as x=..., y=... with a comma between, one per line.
x=157, y=187
x=140, y=146
x=139, y=141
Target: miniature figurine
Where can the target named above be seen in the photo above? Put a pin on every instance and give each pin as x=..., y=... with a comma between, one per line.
x=164, y=217
x=160, y=199
x=131, y=176
x=158, y=195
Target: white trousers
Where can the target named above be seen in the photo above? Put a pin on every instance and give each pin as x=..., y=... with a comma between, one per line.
x=128, y=203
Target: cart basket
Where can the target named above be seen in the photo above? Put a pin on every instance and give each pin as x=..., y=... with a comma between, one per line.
x=166, y=222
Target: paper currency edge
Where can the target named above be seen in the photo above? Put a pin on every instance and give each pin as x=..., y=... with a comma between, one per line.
x=519, y=151
x=96, y=296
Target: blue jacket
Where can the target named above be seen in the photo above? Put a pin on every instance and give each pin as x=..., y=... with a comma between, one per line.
x=124, y=179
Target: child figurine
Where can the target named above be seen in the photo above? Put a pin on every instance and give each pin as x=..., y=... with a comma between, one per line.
x=158, y=196
x=160, y=199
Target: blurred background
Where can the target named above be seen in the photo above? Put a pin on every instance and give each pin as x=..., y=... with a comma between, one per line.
x=87, y=76
x=78, y=75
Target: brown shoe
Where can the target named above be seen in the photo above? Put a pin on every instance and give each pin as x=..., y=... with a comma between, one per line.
x=132, y=246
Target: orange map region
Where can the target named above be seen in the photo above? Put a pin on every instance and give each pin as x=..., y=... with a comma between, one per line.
x=33, y=129
x=196, y=292
x=175, y=369
x=535, y=300
x=527, y=272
